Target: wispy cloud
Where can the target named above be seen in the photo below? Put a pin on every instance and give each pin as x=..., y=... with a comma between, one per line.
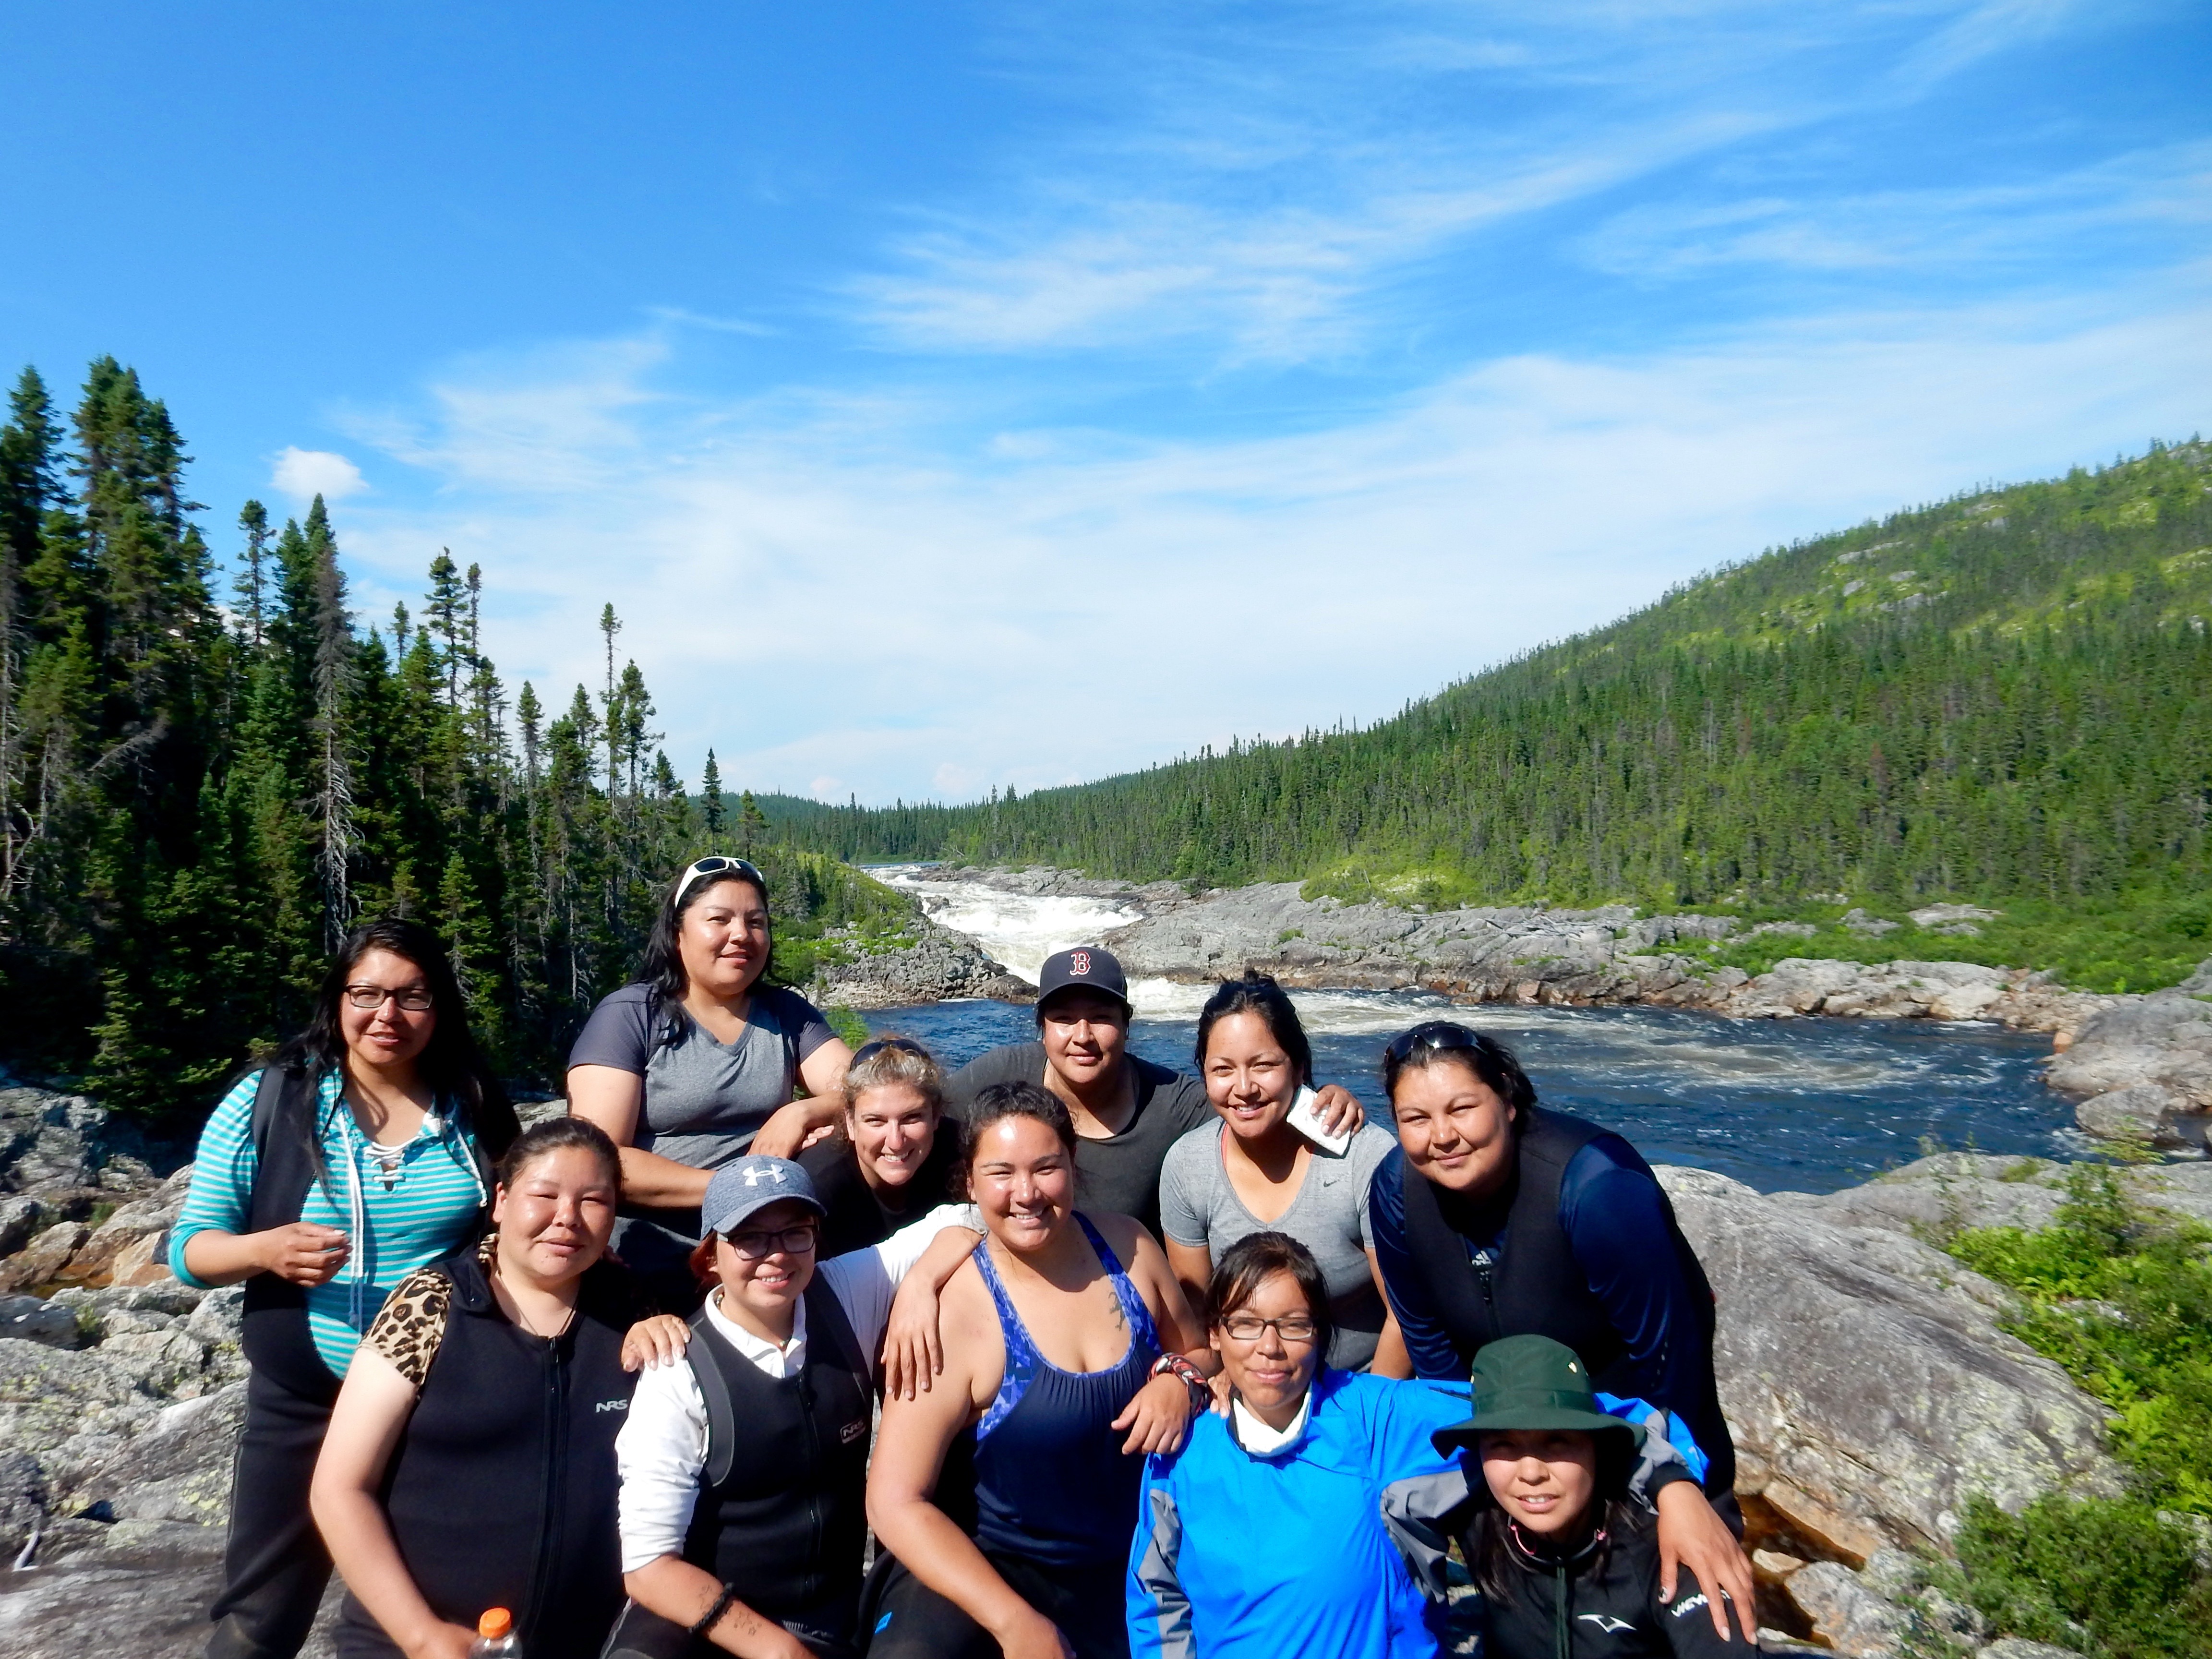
x=844, y=601
x=1934, y=231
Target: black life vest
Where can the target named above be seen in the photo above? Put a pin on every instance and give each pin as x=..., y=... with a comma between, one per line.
x=781, y=1514
x=1533, y=1285
x=502, y=1491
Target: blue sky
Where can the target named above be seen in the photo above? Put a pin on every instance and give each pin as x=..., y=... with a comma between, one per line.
x=990, y=393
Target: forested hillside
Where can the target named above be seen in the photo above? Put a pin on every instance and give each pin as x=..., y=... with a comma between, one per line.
x=204, y=782
x=2007, y=694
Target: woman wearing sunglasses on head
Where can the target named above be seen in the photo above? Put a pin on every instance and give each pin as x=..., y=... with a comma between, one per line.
x=1498, y=1218
x=894, y=1158
x=359, y=1152
x=693, y=1064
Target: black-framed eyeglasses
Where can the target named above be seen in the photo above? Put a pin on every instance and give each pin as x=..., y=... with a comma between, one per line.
x=414, y=999
x=904, y=1045
x=792, y=1241
x=718, y=866
x=1295, y=1329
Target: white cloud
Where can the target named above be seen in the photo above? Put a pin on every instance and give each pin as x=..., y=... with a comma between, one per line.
x=836, y=600
x=304, y=474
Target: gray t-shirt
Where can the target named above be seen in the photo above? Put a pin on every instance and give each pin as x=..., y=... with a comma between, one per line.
x=704, y=1100
x=1328, y=1216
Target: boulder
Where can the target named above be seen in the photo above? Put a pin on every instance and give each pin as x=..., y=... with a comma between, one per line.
x=30, y=1319
x=941, y=965
x=41, y=1263
x=1932, y=1197
x=1845, y=1614
x=2019, y=1647
x=2145, y=1067
x=1867, y=1384
x=48, y=1395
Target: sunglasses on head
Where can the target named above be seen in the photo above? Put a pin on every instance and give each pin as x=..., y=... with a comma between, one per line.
x=1430, y=1035
x=904, y=1045
x=718, y=866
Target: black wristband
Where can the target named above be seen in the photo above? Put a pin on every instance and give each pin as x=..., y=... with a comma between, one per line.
x=707, y=1620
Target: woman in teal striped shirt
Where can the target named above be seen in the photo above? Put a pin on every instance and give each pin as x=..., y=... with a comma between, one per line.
x=359, y=1152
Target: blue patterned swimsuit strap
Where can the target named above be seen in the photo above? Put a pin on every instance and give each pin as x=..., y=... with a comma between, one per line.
x=1023, y=1359
x=1142, y=1333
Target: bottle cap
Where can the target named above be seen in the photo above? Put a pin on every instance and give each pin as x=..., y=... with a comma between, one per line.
x=495, y=1623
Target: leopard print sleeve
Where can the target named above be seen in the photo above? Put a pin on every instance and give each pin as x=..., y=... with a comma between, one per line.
x=412, y=1323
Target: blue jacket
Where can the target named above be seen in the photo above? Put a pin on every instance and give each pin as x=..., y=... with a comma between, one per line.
x=1288, y=1554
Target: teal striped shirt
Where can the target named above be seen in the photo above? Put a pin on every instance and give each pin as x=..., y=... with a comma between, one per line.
x=424, y=1208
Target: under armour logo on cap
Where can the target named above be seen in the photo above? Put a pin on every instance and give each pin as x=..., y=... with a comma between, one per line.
x=1078, y=962
x=753, y=1183
x=760, y=1171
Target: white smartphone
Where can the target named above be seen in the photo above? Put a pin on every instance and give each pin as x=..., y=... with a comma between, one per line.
x=1305, y=1118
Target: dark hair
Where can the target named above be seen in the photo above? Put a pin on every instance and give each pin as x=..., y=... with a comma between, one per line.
x=1004, y=1100
x=661, y=966
x=1258, y=993
x=451, y=1063
x=1486, y=1056
x=555, y=1134
x=1255, y=1257
x=1488, y=1544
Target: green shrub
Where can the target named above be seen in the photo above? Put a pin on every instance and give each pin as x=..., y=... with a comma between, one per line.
x=2104, y=1577
x=2122, y=1298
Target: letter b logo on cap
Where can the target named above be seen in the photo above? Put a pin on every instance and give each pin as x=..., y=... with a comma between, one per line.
x=1079, y=963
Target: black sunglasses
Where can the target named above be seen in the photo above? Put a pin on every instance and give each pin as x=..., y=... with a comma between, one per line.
x=904, y=1045
x=718, y=866
x=1431, y=1035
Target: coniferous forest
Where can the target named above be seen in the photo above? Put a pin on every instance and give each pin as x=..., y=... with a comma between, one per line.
x=210, y=765
x=206, y=777
x=2005, y=696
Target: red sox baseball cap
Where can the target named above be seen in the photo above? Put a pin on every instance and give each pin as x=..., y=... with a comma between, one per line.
x=1086, y=968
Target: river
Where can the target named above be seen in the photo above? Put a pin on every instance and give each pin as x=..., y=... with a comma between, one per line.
x=1802, y=1105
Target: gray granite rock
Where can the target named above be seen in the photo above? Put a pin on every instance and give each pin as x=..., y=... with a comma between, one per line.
x=1867, y=1384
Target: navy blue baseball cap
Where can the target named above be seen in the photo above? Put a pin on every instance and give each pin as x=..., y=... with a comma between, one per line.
x=1086, y=968
x=753, y=1183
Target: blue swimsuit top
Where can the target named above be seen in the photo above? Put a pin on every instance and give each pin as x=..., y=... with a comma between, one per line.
x=1052, y=1483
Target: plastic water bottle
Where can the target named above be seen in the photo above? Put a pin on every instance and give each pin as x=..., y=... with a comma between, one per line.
x=496, y=1637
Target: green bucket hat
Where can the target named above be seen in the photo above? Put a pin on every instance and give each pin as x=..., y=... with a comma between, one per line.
x=1533, y=1383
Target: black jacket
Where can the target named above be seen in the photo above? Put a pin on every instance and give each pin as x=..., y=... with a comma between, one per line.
x=1576, y=1609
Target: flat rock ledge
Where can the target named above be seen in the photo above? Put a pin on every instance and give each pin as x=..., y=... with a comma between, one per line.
x=2141, y=1066
x=1862, y=1371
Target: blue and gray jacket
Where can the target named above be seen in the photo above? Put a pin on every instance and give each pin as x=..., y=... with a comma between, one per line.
x=1333, y=1547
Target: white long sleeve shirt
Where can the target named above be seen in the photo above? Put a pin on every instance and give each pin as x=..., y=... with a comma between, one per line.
x=662, y=1448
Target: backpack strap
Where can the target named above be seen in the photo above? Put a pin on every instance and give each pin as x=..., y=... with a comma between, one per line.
x=714, y=1389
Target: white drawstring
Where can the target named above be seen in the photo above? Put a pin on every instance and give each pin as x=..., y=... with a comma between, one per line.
x=357, y=1148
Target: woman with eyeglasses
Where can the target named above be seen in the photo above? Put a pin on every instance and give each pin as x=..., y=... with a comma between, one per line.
x=894, y=1158
x=1250, y=1171
x=1265, y=1536
x=693, y=1065
x=1496, y=1217
x=359, y=1151
x=743, y=1466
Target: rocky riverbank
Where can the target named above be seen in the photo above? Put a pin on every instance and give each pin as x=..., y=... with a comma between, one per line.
x=1868, y=1385
x=2141, y=1066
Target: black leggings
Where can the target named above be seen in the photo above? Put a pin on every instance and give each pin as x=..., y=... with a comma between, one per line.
x=275, y=1567
x=901, y=1617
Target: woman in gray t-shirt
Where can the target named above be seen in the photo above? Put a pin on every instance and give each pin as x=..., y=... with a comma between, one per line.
x=694, y=1064
x=1250, y=1171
